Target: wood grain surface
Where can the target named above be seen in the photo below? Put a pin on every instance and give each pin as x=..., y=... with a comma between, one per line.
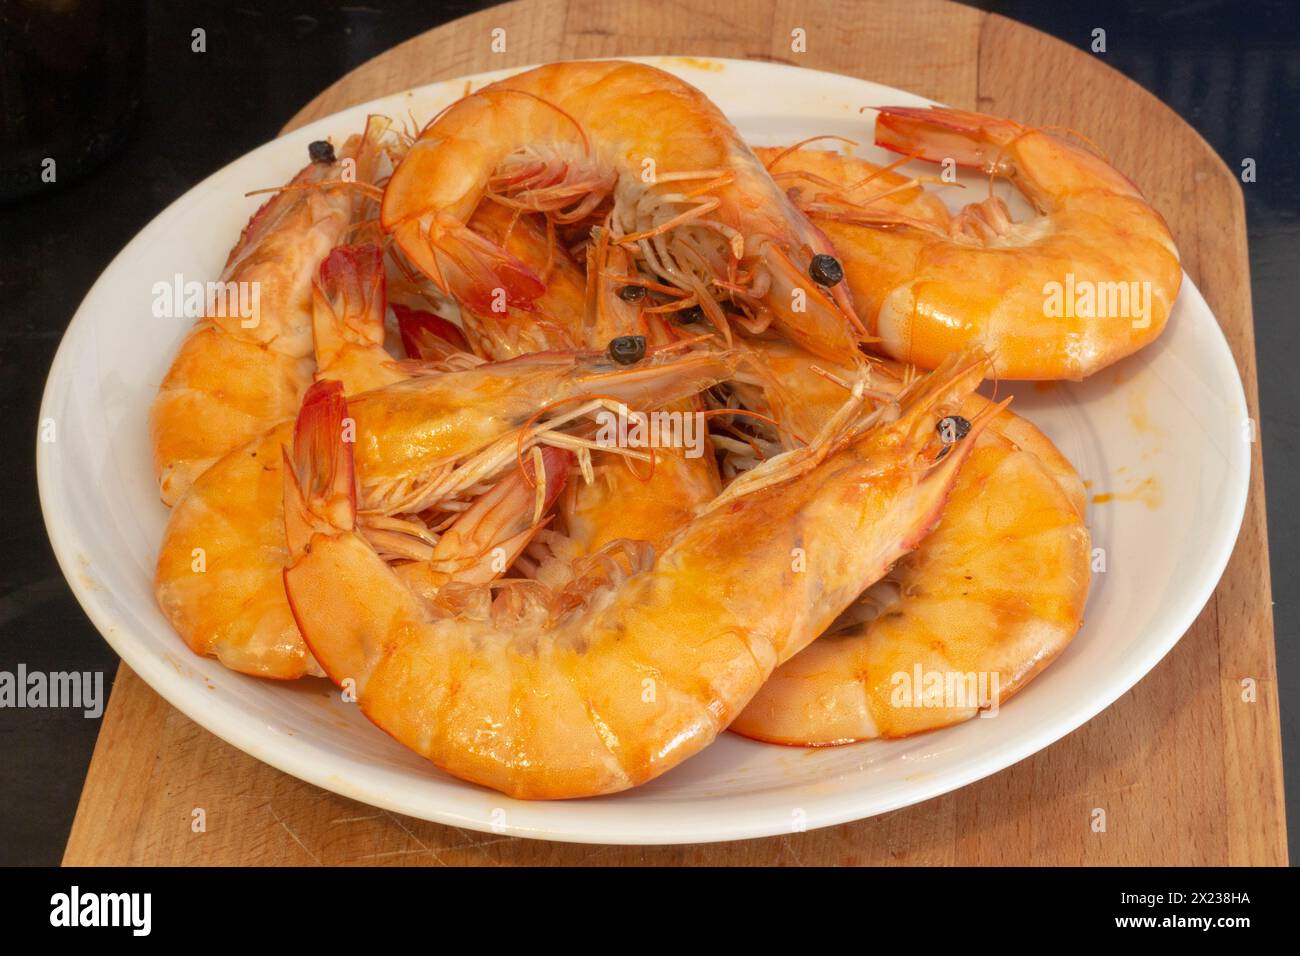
x=1186, y=771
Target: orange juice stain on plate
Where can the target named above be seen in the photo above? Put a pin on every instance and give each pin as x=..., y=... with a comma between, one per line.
x=1146, y=491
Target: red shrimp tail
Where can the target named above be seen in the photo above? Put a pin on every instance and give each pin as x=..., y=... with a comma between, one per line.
x=488, y=536
x=352, y=277
x=484, y=277
x=319, y=477
x=479, y=274
x=515, y=536
x=557, y=464
x=426, y=336
x=350, y=294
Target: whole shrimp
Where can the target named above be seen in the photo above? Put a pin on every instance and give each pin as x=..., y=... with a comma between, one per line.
x=423, y=442
x=1090, y=279
x=982, y=605
x=234, y=375
x=643, y=660
x=679, y=189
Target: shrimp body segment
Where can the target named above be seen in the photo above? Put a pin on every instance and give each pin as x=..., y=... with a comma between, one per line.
x=689, y=198
x=960, y=624
x=601, y=690
x=1088, y=280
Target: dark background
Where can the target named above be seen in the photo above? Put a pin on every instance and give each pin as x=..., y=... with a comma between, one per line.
x=1231, y=69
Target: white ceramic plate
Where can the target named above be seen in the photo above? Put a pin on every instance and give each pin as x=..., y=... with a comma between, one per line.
x=1164, y=432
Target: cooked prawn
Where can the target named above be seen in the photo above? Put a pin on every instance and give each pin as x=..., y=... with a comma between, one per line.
x=637, y=665
x=1090, y=279
x=685, y=196
x=985, y=602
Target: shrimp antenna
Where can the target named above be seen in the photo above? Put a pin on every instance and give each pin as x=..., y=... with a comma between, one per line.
x=902, y=160
x=775, y=423
x=586, y=143
x=438, y=115
x=794, y=147
x=591, y=402
x=1086, y=140
x=373, y=191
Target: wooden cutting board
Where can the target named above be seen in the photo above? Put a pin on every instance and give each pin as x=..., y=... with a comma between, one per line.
x=1185, y=770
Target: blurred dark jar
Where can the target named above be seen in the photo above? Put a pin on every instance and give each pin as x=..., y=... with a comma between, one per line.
x=70, y=78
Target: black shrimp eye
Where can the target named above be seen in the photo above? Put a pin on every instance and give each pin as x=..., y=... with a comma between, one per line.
x=627, y=349
x=632, y=293
x=952, y=429
x=825, y=270
x=688, y=315
x=321, y=151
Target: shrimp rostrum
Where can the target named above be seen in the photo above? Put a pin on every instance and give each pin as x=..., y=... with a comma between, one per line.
x=652, y=160
x=642, y=660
